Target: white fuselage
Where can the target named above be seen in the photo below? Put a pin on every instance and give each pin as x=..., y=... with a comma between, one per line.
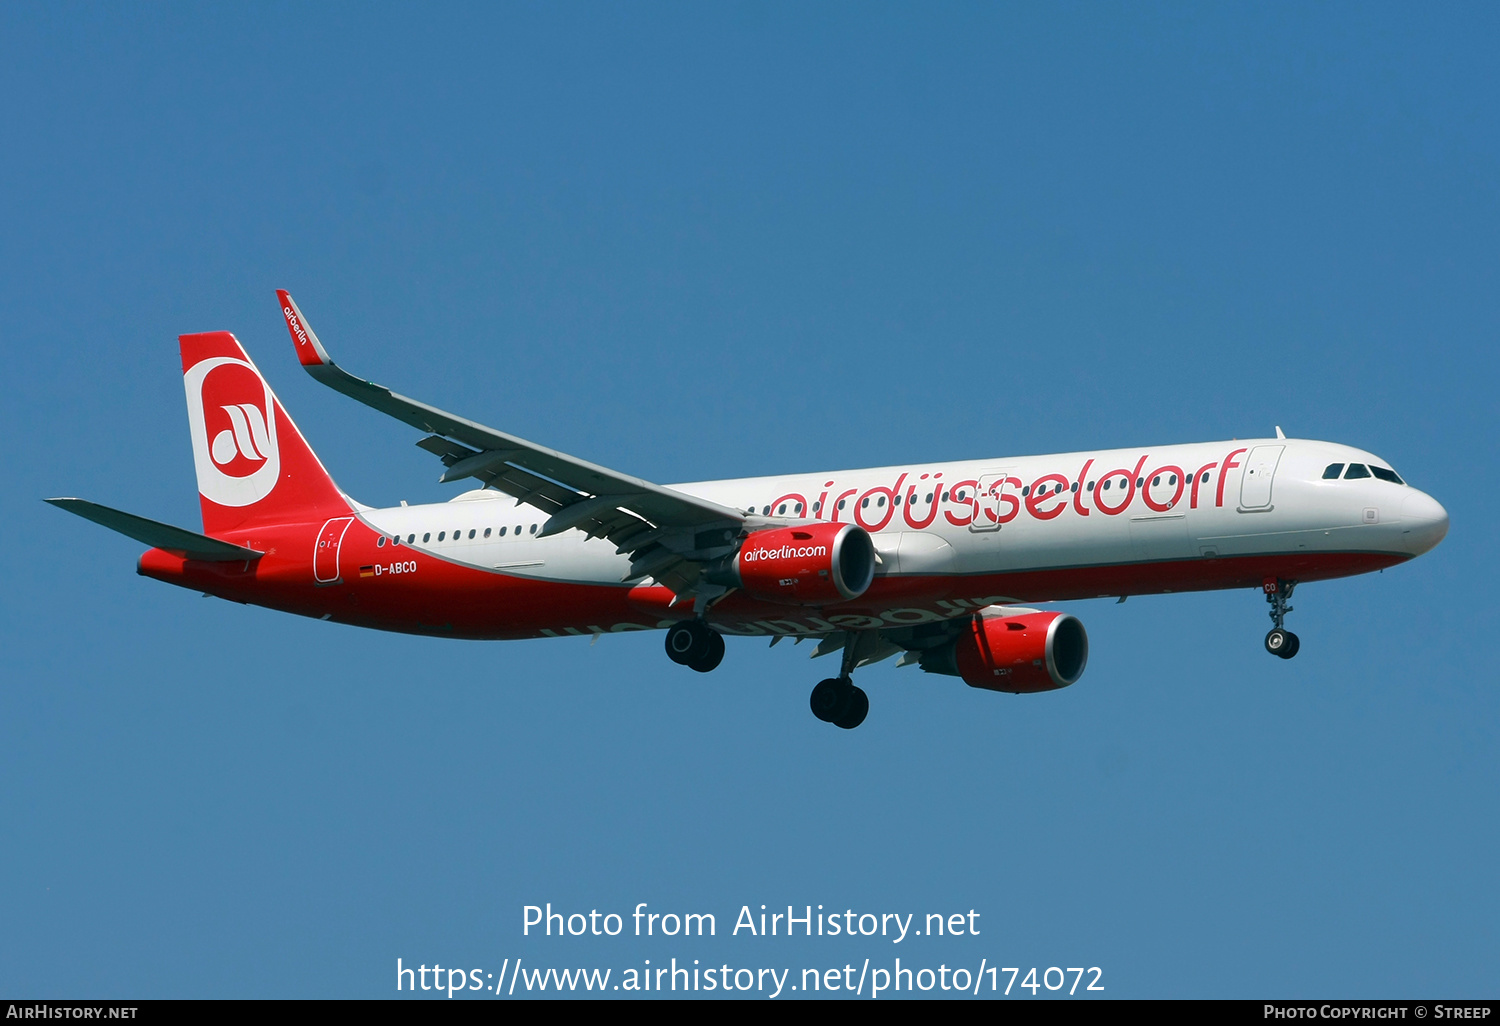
x=1198, y=502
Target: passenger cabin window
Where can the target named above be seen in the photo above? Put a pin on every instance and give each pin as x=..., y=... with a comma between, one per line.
x=1332, y=471
x=442, y=535
x=1356, y=470
x=427, y=536
x=502, y=532
x=1386, y=475
x=380, y=542
x=486, y=532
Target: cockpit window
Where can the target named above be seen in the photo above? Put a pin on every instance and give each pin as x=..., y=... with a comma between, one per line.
x=1356, y=470
x=1386, y=475
x=1332, y=472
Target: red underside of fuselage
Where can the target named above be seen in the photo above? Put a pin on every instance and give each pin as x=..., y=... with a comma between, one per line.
x=449, y=599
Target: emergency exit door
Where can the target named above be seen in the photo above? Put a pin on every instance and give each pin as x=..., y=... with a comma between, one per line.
x=989, y=506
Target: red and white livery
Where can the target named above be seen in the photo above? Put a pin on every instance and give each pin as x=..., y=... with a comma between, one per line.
x=936, y=562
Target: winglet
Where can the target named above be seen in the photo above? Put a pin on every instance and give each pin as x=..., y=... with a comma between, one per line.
x=309, y=350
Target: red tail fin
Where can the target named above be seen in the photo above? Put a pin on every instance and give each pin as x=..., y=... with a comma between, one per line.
x=253, y=464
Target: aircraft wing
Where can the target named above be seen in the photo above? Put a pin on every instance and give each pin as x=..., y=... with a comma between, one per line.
x=668, y=534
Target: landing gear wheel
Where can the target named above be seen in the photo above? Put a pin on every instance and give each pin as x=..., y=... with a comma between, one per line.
x=1282, y=642
x=714, y=656
x=837, y=701
x=683, y=643
x=857, y=709
x=696, y=644
x=830, y=699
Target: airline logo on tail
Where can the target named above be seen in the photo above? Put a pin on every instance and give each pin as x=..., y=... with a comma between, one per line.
x=231, y=413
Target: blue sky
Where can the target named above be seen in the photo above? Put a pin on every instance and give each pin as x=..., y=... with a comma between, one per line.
x=693, y=241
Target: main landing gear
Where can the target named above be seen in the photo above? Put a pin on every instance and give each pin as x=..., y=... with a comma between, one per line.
x=837, y=700
x=1280, y=642
x=695, y=644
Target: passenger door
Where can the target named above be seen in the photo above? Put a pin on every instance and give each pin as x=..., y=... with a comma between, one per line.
x=326, y=554
x=1260, y=471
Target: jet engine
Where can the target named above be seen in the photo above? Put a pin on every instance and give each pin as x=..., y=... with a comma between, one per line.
x=1025, y=653
x=806, y=565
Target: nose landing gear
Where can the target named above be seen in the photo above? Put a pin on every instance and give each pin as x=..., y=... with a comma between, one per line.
x=1280, y=641
x=694, y=644
x=838, y=700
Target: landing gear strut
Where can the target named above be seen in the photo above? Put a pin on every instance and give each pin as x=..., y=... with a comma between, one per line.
x=837, y=700
x=1280, y=642
x=695, y=644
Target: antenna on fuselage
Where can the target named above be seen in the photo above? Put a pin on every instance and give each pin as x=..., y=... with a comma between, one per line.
x=1279, y=434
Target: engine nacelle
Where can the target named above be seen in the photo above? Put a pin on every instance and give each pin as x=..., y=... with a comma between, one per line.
x=1025, y=653
x=806, y=565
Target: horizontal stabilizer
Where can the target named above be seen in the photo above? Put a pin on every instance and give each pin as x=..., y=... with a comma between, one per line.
x=158, y=535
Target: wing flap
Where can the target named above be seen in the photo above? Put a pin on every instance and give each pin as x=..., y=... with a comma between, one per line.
x=447, y=450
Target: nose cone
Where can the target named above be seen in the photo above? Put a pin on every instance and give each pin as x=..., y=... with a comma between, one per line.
x=1424, y=522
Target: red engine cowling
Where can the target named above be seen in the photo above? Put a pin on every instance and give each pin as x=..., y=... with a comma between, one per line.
x=807, y=565
x=1025, y=653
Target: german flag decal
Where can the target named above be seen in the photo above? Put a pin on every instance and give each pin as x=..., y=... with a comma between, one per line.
x=367, y=571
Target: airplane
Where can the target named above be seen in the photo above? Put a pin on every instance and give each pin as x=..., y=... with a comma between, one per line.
x=941, y=563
